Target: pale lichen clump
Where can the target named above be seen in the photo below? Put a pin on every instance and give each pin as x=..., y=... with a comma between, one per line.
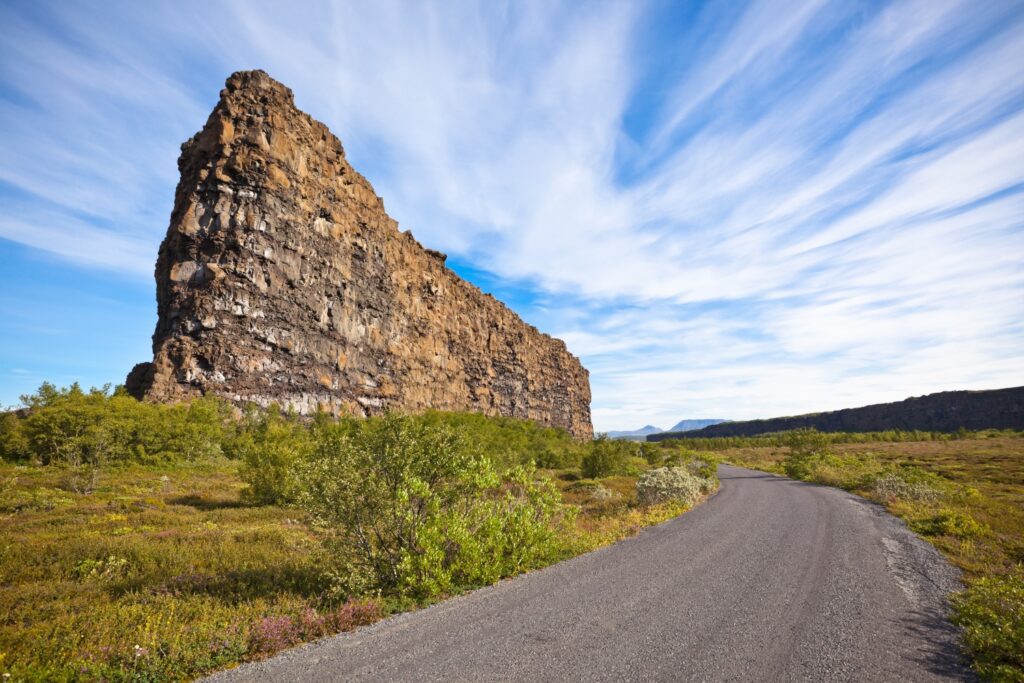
x=671, y=484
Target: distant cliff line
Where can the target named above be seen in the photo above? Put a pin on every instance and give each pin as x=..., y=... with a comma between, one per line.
x=946, y=411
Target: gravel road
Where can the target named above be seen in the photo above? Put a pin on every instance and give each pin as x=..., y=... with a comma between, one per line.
x=769, y=580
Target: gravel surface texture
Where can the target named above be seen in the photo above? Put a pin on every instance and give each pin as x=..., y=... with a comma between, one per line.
x=769, y=580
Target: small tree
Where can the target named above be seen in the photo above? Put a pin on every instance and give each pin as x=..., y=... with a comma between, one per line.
x=651, y=453
x=270, y=448
x=14, y=445
x=805, y=446
x=604, y=457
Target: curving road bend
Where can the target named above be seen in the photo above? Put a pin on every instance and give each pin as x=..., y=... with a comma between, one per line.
x=769, y=580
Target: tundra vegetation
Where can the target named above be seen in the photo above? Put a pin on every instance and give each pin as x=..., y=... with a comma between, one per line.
x=159, y=542
x=964, y=492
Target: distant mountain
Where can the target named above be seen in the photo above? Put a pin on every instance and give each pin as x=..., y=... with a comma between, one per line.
x=687, y=425
x=643, y=432
x=635, y=434
x=946, y=411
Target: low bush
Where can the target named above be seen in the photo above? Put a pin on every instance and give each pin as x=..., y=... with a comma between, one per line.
x=271, y=634
x=950, y=523
x=991, y=614
x=104, y=569
x=605, y=457
x=651, y=453
x=634, y=466
x=908, y=484
x=411, y=509
x=88, y=430
x=594, y=490
x=806, y=446
x=14, y=445
x=555, y=458
x=703, y=465
x=841, y=471
x=667, y=484
x=270, y=447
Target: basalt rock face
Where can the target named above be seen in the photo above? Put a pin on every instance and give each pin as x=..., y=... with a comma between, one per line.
x=282, y=280
x=945, y=411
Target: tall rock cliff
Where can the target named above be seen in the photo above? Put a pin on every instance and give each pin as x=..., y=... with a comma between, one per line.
x=282, y=280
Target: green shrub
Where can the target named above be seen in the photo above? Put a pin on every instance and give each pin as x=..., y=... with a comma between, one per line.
x=651, y=453
x=104, y=569
x=605, y=457
x=14, y=446
x=991, y=613
x=509, y=441
x=594, y=490
x=556, y=458
x=634, y=466
x=846, y=472
x=36, y=498
x=703, y=465
x=805, y=446
x=78, y=428
x=270, y=447
x=951, y=523
x=667, y=484
x=410, y=509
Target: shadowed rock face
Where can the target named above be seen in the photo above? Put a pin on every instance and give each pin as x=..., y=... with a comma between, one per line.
x=282, y=280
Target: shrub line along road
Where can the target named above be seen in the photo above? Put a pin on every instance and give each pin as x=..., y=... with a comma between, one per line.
x=771, y=579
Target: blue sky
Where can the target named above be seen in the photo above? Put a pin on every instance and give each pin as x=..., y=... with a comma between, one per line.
x=726, y=209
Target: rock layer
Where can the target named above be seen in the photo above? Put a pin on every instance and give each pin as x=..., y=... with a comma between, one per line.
x=282, y=280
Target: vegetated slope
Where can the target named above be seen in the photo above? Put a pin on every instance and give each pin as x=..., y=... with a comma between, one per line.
x=946, y=411
x=283, y=280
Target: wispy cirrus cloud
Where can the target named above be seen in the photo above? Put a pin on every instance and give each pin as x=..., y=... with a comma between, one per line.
x=730, y=210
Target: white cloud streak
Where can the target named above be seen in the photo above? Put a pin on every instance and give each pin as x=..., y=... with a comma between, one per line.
x=825, y=208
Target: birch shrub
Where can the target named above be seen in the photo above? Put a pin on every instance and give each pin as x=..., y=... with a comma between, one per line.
x=807, y=446
x=270, y=445
x=409, y=508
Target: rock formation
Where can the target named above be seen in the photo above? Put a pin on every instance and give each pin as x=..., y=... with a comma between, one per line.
x=946, y=411
x=282, y=280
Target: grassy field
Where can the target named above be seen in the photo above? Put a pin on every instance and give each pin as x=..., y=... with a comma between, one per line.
x=156, y=542
x=965, y=495
x=163, y=573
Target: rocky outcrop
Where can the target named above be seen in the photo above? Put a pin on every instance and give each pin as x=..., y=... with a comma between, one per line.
x=282, y=280
x=946, y=411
